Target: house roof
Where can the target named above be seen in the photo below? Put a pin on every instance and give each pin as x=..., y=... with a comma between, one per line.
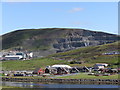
x=14, y=56
x=99, y=65
x=67, y=66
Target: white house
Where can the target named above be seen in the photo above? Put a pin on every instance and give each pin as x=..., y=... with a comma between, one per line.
x=13, y=57
x=22, y=54
x=104, y=64
x=59, y=69
x=31, y=54
x=99, y=66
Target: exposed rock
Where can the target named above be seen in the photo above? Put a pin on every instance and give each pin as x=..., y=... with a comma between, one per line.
x=55, y=39
x=81, y=38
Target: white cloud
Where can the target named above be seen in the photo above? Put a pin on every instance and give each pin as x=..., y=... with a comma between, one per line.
x=73, y=10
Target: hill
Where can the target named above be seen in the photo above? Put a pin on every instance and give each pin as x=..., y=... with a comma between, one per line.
x=52, y=40
x=90, y=55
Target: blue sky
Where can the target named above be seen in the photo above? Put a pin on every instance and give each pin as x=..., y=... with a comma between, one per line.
x=97, y=16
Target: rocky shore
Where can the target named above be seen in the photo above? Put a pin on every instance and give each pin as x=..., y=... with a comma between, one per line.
x=100, y=81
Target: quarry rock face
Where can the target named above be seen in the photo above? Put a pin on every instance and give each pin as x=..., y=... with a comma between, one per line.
x=81, y=38
x=55, y=39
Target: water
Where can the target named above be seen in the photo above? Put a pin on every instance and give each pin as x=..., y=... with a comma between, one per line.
x=56, y=85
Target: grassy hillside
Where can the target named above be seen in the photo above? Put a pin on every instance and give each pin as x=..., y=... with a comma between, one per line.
x=29, y=38
x=90, y=56
x=29, y=64
x=44, y=39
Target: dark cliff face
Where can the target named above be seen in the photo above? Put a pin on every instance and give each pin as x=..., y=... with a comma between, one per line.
x=55, y=39
x=83, y=38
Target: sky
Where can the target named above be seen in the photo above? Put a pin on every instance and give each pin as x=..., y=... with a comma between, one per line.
x=96, y=16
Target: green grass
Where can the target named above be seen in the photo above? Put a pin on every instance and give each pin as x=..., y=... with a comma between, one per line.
x=3, y=87
x=90, y=55
x=30, y=64
x=40, y=38
x=85, y=76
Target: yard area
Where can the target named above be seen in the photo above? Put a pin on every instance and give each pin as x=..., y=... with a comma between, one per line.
x=86, y=76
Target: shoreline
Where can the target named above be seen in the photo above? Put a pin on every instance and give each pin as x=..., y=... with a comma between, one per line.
x=93, y=81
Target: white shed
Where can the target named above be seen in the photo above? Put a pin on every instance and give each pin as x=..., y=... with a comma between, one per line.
x=13, y=57
x=63, y=66
x=104, y=64
x=99, y=66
